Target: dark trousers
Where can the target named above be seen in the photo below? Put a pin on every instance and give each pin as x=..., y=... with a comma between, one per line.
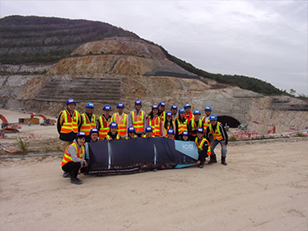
x=202, y=156
x=72, y=168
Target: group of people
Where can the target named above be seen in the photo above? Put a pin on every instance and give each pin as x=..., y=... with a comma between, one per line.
x=76, y=130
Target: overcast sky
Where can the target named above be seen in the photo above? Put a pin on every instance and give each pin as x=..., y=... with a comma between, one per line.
x=262, y=39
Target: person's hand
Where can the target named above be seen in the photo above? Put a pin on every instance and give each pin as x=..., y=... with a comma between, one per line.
x=84, y=163
x=109, y=139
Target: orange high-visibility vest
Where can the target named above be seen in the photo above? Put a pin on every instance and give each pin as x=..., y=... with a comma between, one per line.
x=70, y=124
x=138, y=121
x=206, y=122
x=216, y=134
x=104, y=127
x=87, y=125
x=67, y=157
x=201, y=143
x=155, y=124
x=122, y=123
x=181, y=126
x=195, y=126
x=190, y=117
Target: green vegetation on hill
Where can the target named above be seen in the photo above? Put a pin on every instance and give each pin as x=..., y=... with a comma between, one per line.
x=243, y=82
x=32, y=39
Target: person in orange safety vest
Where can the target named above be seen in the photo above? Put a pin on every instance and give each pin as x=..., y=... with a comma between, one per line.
x=68, y=123
x=138, y=118
x=121, y=119
x=206, y=118
x=180, y=124
x=194, y=124
x=216, y=133
x=74, y=158
x=103, y=122
x=154, y=120
x=188, y=114
x=88, y=120
x=203, y=146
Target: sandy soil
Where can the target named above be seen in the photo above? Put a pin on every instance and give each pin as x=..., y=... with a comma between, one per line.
x=264, y=187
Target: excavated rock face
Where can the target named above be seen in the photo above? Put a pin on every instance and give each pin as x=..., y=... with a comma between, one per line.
x=126, y=69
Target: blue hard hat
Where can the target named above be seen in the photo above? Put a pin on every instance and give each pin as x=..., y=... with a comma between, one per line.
x=70, y=100
x=187, y=105
x=170, y=131
x=149, y=129
x=182, y=110
x=107, y=107
x=213, y=117
x=120, y=105
x=207, y=108
x=138, y=102
x=93, y=130
x=90, y=105
x=131, y=129
x=185, y=133
x=162, y=103
x=80, y=134
x=200, y=130
x=113, y=125
x=155, y=106
x=197, y=112
x=168, y=113
x=174, y=106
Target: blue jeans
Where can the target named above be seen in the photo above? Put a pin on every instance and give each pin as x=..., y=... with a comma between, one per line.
x=223, y=148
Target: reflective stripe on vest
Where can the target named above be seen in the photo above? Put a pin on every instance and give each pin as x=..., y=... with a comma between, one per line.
x=163, y=117
x=206, y=123
x=117, y=137
x=138, y=121
x=201, y=143
x=168, y=127
x=70, y=124
x=216, y=134
x=121, y=121
x=67, y=157
x=194, y=126
x=104, y=127
x=181, y=126
x=86, y=125
x=155, y=124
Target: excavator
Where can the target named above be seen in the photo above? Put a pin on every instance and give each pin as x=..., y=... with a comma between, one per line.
x=9, y=127
x=46, y=121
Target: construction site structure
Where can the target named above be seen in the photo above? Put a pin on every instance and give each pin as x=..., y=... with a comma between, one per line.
x=8, y=127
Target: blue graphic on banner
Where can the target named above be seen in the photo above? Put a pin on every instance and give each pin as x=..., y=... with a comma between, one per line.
x=188, y=148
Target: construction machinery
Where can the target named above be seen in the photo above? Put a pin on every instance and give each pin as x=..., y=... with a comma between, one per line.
x=9, y=127
x=46, y=121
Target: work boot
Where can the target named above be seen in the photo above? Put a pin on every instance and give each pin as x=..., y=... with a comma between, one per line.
x=75, y=180
x=212, y=159
x=66, y=175
x=223, y=160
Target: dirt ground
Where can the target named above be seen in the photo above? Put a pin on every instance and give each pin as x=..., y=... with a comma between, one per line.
x=263, y=187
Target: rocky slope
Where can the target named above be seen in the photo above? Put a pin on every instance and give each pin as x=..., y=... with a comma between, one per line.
x=126, y=69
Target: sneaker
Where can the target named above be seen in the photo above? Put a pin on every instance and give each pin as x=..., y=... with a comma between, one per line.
x=201, y=166
x=66, y=175
x=76, y=181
